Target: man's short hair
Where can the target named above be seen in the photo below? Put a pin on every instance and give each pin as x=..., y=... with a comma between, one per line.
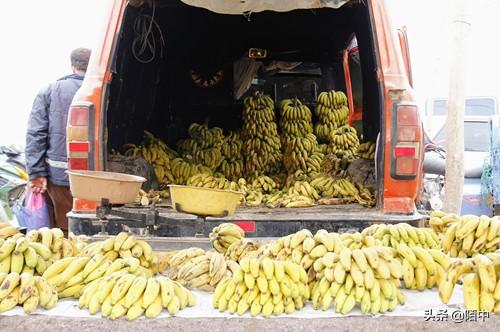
x=80, y=58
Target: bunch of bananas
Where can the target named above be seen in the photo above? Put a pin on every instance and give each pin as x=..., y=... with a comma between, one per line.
x=264, y=287
x=393, y=235
x=152, y=196
x=422, y=268
x=223, y=236
x=366, y=150
x=71, y=275
x=196, y=268
x=343, y=141
x=332, y=113
x=481, y=282
x=265, y=184
x=336, y=166
x=241, y=249
x=292, y=198
x=204, y=145
x=348, y=191
x=119, y=294
x=54, y=239
x=232, y=169
x=125, y=246
x=231, y=146
x=358, y=240
x=297, y=152
x=440, y=221
x=18, y=254
x=303, y=248
x=157, y=153
x=205, y=137
x=471, y=235
x=26, y=290
x=295, y=201
x=368, y=276
x=303, y=188
x=6, y=230
x=261, y=142
x=232, y=166
x=296, y=120
x=182, y=170
x=206, y=180
x=254, y=198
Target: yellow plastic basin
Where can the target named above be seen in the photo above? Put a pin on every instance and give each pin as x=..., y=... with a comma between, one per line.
x=204, y=201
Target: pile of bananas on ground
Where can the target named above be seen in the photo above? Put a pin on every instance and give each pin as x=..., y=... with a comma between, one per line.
x=422, y=268
x=224, y=235
x=155, y=152
x=392, y=235
x=123, y=294
x=232, y=166
x=296, y=120
x=18, y=254
x=182, y=170
x=53, y=238
x=71, y=275
x=366, y=150
x=472, y=235
x=301, y=153
x=261, y=142
x=368, y=277
x=152, y=196
x=467, y=235
x=197, y=268
x=332, y=113
x=480, y=282
x=343, y=141
x=26, y=290
x=125, y=246
x=264, y=287
x=204, y=146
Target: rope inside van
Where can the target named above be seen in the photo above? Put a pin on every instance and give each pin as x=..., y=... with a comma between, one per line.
x=144, y=46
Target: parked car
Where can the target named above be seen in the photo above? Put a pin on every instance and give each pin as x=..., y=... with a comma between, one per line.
x=477, y=141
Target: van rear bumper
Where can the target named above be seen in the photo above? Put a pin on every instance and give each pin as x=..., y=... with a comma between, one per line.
x=256, y=222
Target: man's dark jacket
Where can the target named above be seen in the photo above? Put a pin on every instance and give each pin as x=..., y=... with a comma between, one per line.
x=46, y=136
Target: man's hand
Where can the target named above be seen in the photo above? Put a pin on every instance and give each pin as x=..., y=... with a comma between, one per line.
x=38, y=185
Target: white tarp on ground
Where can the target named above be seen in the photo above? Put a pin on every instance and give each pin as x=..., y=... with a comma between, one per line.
x=236, y=7
x=417, y=303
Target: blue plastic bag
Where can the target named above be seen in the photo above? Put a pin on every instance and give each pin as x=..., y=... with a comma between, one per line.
x=36, y=213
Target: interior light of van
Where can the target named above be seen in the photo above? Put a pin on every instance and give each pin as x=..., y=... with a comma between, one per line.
x=257, y=53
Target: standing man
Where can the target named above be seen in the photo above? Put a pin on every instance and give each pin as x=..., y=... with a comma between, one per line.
x=46, y=158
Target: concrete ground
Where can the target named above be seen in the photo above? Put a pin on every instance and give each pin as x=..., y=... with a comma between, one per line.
x=41, y=323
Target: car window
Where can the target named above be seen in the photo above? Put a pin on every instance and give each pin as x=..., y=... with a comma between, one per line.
x=476, y=136
x=473, y=106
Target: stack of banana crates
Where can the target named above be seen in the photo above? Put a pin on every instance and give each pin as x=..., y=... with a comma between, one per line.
x=368, y=272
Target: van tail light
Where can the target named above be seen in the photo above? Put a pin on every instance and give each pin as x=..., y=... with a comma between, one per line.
x=406, y=141
x=79, y=136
